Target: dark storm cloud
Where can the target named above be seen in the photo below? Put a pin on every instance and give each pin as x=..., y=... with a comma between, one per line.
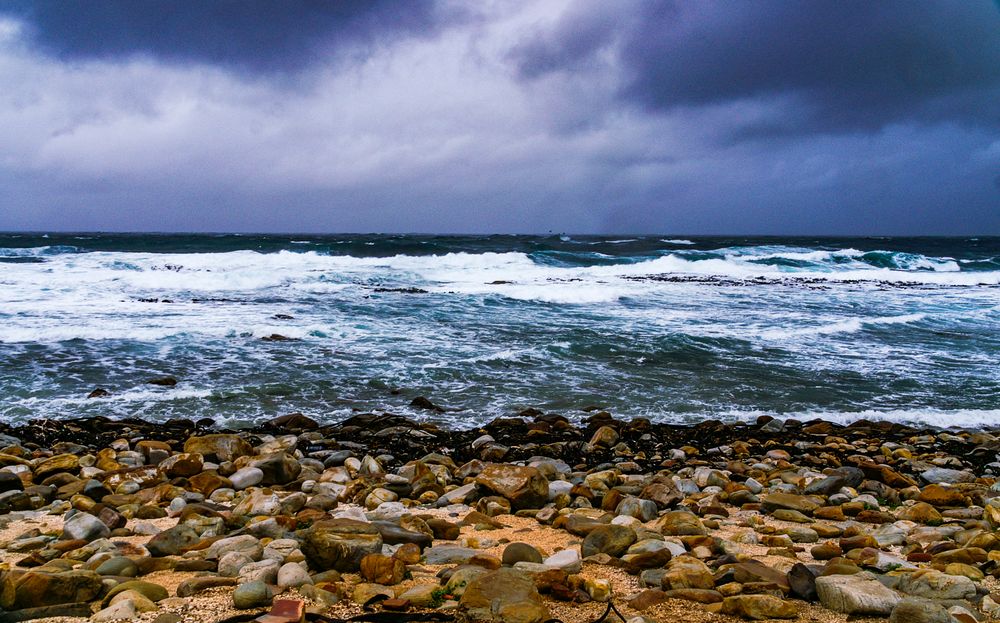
x=247, y=35
x=826, y=66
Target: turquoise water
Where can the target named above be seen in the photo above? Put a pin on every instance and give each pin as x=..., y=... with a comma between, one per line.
x=666, y=327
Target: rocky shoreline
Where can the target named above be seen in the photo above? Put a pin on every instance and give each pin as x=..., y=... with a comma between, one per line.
x=521, y=520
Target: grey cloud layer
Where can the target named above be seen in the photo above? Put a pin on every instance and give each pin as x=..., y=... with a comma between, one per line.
x=631, y=116
x=845, y=65
x=246, y=35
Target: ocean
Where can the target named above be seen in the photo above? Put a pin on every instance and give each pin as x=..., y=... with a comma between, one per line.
x=671, y=328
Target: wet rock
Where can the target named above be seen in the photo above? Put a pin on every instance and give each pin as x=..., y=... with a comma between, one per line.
x=163, y=381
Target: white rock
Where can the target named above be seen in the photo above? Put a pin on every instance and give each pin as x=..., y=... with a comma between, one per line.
x=266, y=571
x=246, y=477
x=856, y=594
x=292, y=575
x=568, y=560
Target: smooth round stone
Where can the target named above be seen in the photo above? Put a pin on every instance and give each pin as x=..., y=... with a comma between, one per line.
x=251, y=595
x=246, y=477
x=176, y=506
x=292, y=575
x=520, y=552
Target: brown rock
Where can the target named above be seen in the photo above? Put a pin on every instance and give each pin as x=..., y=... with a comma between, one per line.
x=942, y=496
x=504, y=595
x=381, y=569
x=219, y=446
x=525, y=487
x=759, y=607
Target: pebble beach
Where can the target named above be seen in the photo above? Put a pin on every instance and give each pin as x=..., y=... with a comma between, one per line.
x=521, y=520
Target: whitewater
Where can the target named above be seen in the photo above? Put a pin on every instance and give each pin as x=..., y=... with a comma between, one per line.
x=673, y=328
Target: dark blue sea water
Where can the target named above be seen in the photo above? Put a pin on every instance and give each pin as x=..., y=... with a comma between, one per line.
x=670, y=328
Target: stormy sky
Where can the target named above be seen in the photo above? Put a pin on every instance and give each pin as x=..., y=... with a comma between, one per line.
x=640, y=116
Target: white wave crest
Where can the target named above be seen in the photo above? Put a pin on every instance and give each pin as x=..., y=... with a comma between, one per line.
x=850, y=325
x=932, y=417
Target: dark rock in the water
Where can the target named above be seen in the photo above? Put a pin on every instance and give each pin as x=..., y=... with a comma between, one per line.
x=99, y=392
x=294, y=422
x=163, y=381
x=421, y=402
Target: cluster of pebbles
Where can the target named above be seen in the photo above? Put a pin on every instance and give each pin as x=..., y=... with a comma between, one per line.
x=522, y=520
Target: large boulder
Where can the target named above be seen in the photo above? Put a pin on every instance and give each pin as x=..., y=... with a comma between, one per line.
x=35, y=588
x=856, y=594
x=219, y=446
x=340, y=544
x=525, y=487
x=503, y=596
